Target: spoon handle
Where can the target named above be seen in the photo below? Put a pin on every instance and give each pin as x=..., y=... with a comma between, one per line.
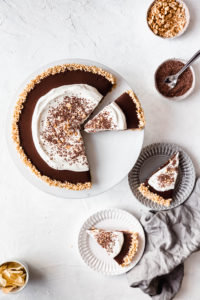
x=194, y=57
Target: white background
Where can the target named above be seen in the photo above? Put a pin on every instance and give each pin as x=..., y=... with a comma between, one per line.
x=42, y=229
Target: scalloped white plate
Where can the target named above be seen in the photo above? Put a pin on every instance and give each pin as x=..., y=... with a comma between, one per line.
x=111, y=155
x=93, y=255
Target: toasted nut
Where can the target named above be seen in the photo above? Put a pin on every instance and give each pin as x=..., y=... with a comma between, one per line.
x=166, y=18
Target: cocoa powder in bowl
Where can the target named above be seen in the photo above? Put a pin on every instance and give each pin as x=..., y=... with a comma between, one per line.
x=171, y=67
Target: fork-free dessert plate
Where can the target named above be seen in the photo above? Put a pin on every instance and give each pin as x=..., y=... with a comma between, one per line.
x=95, y=256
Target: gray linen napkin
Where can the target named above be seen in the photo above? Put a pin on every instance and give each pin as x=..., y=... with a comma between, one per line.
x=171, y=236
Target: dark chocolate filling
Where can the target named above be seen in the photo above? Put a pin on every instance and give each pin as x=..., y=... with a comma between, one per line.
x=125, y=248
x=166, y=194
x=129, y=108
x=24, y=124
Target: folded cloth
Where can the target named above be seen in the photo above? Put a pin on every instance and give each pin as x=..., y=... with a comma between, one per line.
x=171, y=236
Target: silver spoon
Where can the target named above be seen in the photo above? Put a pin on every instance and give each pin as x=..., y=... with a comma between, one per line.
x=171, y=80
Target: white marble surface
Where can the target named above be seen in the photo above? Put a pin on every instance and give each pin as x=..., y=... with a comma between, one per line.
x=42, y=229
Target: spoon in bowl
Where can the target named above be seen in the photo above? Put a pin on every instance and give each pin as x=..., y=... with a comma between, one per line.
x=171, y=80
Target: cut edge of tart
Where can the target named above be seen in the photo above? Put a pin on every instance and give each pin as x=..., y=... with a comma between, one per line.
x=19, y=107
x=164, y=180
x=144, y=190
x=133, y=249
x=121, y=245
x=121, y=114
x=140, y=112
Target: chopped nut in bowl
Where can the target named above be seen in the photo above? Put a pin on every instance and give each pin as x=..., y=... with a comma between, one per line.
x=168, y=18
x=14, y=276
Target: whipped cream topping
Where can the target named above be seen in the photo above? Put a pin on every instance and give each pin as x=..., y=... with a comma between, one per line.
x=56, y=121
x=165, y=178
x=110, y=118
x=111, y=241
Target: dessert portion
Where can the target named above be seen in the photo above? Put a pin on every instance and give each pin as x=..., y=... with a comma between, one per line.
x=159, y=187
x=110, y=118
x=47, y=121
x=120, y=245
x=124, y=113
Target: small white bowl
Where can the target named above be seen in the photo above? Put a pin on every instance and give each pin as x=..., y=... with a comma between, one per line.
x=187, y=13
x=179, y=98
x=24, y=265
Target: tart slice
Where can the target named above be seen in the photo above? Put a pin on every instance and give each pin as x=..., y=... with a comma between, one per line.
x=124, y=113
x=47, y=120
x=120, y=245
x=159, y=187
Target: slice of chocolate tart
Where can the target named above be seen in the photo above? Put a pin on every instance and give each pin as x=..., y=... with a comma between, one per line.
x=159, y=187
x=122, y=114
x=120, y=245
x=47, y=120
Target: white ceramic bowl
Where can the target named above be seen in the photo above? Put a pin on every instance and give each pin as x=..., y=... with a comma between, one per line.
x=187, y=93
x=181, y=32
x=24, y=265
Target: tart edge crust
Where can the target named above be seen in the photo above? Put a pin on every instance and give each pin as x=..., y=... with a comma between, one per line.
x=153, y=197
x=18, y=109
x=133, y=249
x=140, y=112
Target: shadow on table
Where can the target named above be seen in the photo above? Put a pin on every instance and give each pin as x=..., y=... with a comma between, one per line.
x=35, y=275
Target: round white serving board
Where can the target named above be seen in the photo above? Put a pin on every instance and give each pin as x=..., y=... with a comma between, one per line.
x=95, y=256
x=111, y=155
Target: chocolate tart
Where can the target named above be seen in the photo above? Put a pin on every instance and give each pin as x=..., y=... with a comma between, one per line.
x=122, y=114
x=159, y=187
x=122, y=246
x=54, y=77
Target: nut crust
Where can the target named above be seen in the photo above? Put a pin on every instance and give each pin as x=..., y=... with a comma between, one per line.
x=140, y=112
x=133, y=249
x=153, y=197
x=18, y=110
x=166, y=18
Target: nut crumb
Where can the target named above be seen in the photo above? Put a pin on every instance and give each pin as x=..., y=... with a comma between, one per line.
x=166, y=18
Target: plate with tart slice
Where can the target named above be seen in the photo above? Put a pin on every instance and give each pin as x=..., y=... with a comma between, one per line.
x=163, y=176
x=48, y=134
x=111, y=241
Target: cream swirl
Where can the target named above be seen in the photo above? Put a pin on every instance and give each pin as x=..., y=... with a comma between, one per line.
x=117, y=116
x=169, y=175
x=110, y=118
x=110, y=241
x=55, y=125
